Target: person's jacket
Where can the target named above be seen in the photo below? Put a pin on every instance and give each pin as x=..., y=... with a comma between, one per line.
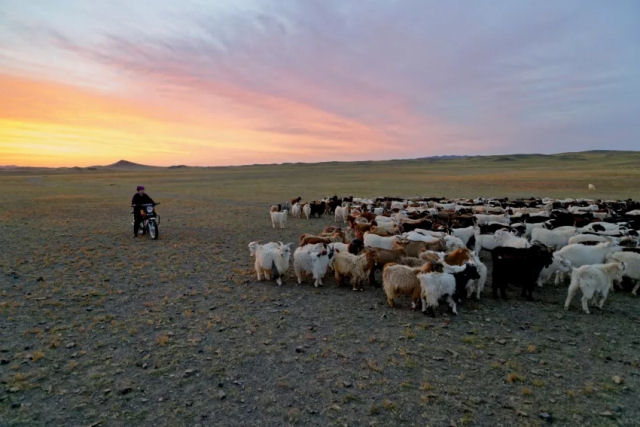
x=139, y=200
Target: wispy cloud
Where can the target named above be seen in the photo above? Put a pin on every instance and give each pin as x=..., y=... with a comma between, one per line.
x=344, y=80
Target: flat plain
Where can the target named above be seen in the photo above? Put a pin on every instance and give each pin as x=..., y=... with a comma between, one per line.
x=98, y=328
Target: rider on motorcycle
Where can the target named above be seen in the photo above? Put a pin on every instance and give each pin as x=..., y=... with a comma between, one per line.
x=139, y=199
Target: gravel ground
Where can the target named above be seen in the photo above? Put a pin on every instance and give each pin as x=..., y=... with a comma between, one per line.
x=98, y=328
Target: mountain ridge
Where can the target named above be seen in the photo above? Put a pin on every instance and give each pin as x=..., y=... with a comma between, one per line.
x=123, y=164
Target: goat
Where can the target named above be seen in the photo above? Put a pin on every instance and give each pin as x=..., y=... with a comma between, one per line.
x=278, y=218
x=341, y=214
x=401, y=280
x=296, y=210
x=554, y=239
x=356, y=267
x=306, y=210
x=434, y=286
x=591, y=280
x=631, y=261
x=374, y=241
x=271, y=258
x=518, y=265
x=579, y=255
x=477, y=285
x=313, y=259
x=501, y=238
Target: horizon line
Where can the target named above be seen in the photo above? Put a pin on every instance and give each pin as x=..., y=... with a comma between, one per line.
x=440, y=156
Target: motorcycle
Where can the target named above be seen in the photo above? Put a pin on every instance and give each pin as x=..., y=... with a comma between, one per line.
x=149, y=220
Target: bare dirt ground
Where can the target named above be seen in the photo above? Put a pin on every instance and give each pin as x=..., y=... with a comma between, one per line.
x=98, y=328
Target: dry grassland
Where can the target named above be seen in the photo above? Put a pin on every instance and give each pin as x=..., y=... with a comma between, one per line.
x=99, y=328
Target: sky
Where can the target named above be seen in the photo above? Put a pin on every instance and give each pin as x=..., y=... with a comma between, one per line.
x=240, y=82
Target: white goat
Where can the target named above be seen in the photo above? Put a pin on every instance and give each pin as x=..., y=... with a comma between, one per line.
x=499, y=238
x=604, y=229
x=434, y=286
x=397, y=205
x=631, y=261
x=341, y=214
x=463, y=234
x=477, y=285
x=483, y=219
x=589, y=239
x=559, y=266
x=419, y=235
x=339, y=246
x=452, y=243
x=591, y=280
x=306, y=210
x=296, y=210
x=554, y=239
x=272, y=257
x=313, y=259
x=374, y=241
x=381, y=220
x=445, y=206
x=529, y=227
x=579, y=255
x=278, y=218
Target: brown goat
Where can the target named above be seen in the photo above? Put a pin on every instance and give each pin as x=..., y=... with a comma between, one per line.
x=330, y=229
x=368, y=215
x=335, y=236
x=429, y=256
x=430, y=267
x=385, y=256
x=360, y=228
x=380, y=231
x=309, y=239
x=400, y=279
x=457, y=257
x=411, y=261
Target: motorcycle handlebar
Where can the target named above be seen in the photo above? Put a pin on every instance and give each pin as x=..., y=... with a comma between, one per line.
x=146, y=204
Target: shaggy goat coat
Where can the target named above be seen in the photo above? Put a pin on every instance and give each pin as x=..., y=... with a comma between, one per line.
x=312, y=259
x=355, y=267
x=271, y=258
x=592, y=280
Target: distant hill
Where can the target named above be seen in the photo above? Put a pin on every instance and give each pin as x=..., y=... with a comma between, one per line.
x=125, y=164
x=499, y=160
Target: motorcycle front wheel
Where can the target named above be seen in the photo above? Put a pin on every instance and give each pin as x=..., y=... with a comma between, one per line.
x=153, y=230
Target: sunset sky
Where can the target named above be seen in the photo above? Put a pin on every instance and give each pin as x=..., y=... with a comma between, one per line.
x=239, y=82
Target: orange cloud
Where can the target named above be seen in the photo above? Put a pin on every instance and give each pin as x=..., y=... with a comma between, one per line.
x=53, y=124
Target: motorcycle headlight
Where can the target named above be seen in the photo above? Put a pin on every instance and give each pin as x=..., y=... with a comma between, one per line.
x=149, y=209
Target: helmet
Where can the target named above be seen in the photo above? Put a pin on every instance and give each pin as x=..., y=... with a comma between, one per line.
x=140, y=187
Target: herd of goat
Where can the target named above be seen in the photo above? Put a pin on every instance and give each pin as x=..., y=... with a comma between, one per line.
x=431, y=248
